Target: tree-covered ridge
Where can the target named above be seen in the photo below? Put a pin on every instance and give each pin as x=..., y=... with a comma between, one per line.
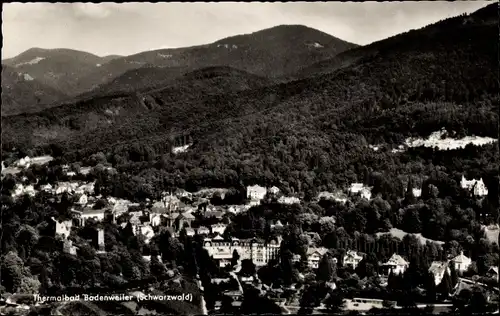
x=22, y=92
x=444, y=31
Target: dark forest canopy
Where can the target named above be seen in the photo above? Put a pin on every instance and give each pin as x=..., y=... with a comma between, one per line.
x=311, y=132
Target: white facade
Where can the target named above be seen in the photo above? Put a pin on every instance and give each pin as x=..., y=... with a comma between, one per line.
x=203, y=230
x=87, y=188
x=277, y=225
x=21, y=190
x=438, y=268
x=476, y=186
x=397, y=264
x=352, y=259
x=417, y=192
x=222, y=250
x=100, y=239
x=47, y=188
x=314, y=256
x=218, y=229
x=274, y=190
x=256, y=192
x=69, y=187
x=69, y=248
x=83, y=200
x=236, y=209
x=338, y=196
x=146, y=231
x=63, y=228
x=155, y=219
x=366, y=193
x=97, y=215
x=461, y=262
x=24, y=162
x=360, y=188
x=356, y=187
x=289, y=200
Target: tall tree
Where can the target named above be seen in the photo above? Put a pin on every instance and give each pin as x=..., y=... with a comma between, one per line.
x=235, y=258
x=335, y=302
x=326, y=269
x=453, y=275
x=409, y=196
x=445, y=287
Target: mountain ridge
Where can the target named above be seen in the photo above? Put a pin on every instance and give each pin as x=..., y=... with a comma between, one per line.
x=289, y=50
x=426, y=83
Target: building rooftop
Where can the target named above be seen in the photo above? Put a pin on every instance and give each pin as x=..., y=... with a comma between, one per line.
x=321, y=251
x=353, y=254
x=461, y=258
x=438, y=267
x=396, y=260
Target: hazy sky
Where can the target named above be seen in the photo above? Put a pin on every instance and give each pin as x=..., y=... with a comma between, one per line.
x=111, y=28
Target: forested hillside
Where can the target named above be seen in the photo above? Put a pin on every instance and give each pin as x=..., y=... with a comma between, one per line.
x=21, y=92
x=315, y=128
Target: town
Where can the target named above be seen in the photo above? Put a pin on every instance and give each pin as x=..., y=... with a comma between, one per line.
x=258, y=243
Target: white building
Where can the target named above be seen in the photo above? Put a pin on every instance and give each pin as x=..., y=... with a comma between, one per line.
x=416, y=192
x=438, y=268
x=277, y=225
x=46, y=188
x=24, y=162
x=396, y=264
x=236, y=209
x=155, y=219
x=87, y=188
x=493, y=273
x=146, y=231
x=97, y=215
x=274, y=190
x=356, y=187
x=314, y=256
x=100, y=240
x=83, y=200
x=190, y=232
x=476, y=186
x=63, y=228
x=203, y=230
x=256, y=193
x=289, y=200
x=366, y=193
x=68, y=187
x=121, y=206
x=85, y=170
x=218, y=229
x=30, y=190
x=338, y=196
x=183, y=193
x=260, y=253
x=360, y=188
x=21, y=190
x=148, y=258
x=69, y=248
x=352, y=259
x=461, y=262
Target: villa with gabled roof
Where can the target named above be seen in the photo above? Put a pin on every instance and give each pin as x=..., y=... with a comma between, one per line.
x=396, y=264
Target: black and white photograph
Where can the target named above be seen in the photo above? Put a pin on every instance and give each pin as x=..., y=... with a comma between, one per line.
x=250, y=158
